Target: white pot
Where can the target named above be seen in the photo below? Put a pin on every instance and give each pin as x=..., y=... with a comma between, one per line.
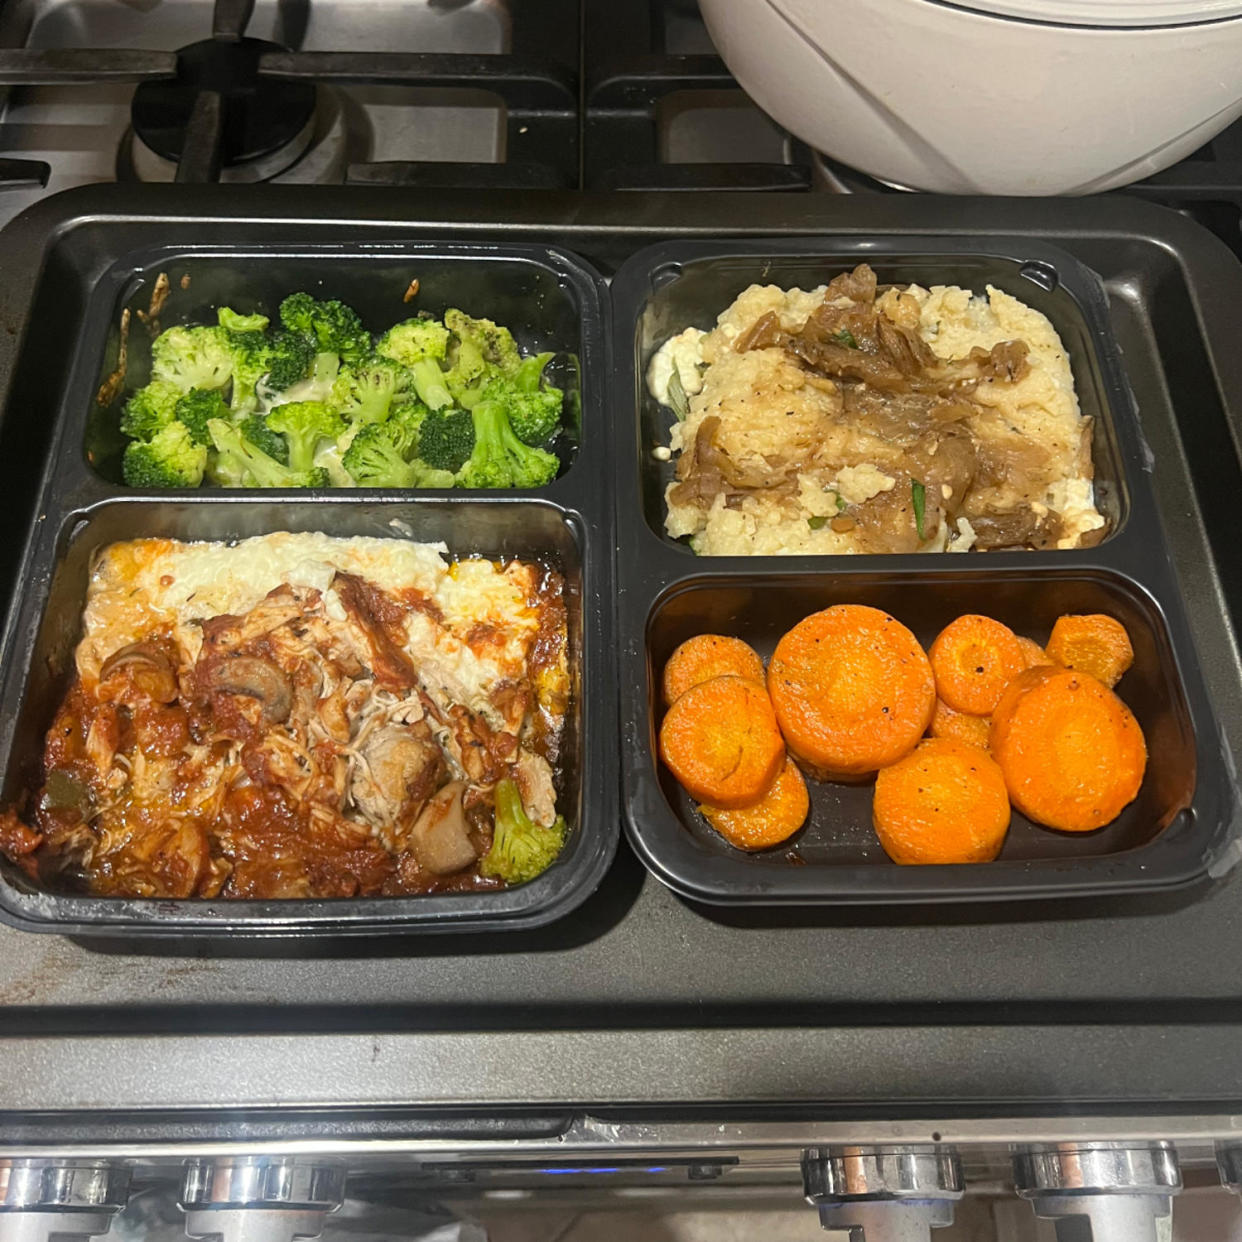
x=948, y=99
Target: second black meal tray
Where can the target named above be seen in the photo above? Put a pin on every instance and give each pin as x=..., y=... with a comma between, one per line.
x=1183, y=818
x=550, y=299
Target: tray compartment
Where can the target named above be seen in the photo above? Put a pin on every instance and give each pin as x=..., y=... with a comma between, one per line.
x=838, y=840
x=49, y=627
x=549, y=299
x=667, y=288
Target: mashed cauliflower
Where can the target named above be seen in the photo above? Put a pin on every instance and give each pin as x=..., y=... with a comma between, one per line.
x=796, y=461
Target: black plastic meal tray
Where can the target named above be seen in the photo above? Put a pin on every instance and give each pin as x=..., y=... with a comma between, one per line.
x=1184, y=814
x=550, y=299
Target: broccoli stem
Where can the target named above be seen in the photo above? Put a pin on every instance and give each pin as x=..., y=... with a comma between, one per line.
x=429, y=384
x=530, y=372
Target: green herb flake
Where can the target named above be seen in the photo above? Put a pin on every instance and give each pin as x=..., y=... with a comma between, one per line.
x=817, y=523
x=841, y=505
x=845, y=337
x=678, y=402
x=918, y=494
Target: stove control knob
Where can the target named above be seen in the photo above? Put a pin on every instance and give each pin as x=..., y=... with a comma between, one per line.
x=1101, y=1192
x=68, y=1200
x=883, y=1194
x=1229, y=1161
x=259, y=1199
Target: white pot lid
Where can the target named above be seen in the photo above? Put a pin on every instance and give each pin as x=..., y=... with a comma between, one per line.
x=1126, y=13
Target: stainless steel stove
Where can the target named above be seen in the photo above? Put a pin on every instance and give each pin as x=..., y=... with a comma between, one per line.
x=563, y=94
x=255, y=1137
x=388, y=87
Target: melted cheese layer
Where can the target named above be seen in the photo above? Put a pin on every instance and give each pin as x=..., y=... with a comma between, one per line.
x=490, y=616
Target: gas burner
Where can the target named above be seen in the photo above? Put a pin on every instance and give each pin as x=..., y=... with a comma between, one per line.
x=265, y=124
x=316, y=155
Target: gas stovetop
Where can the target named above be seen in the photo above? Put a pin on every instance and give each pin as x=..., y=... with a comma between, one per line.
x=644, y=1041
x=489, y=94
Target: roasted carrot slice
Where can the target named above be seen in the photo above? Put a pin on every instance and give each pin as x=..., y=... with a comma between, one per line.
x=852, y=689
x=945, y=802
x=1092, y=643
x=1033, y=654
x=721, y=742
x=1072, y=753
x=773, y=819
x=960, y=726
x=706, y=656
x=974, y=659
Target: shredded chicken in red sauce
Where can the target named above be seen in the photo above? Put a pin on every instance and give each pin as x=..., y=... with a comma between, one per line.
x=297, y=756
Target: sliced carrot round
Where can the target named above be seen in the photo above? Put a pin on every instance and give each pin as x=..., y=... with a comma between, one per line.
x=773, y=819
x=945, y=802
x=1033, y=655
x=974, y=659
x=720, y=740
x=853, y=690
x=960, y=726
x=706, y=656
x=1093, y=643
x=1072, y=752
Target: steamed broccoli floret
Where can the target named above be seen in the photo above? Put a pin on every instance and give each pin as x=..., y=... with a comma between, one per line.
x=413, y=340
x=304, y=424
x=169, y=459
x=446, y=439
x=240, y=463
x=333, y=326
x=316, y=386
x=468, y=370
x=364, y=393
x=231, y=321
x=196, y=407
x=250, y=358
x=521, y=849
x=258, y=431
x=534, y=416
x=192, y=357
x=149, y=409
x=404, y=426
x=529, y=375
x=495, y=343
x=373, y=460
x=290, y=358
x=500, y=459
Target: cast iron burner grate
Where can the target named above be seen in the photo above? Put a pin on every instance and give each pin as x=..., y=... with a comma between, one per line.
x=220, y=90
x=211, y=106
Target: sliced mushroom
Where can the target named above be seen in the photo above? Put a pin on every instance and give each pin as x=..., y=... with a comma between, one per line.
x=257, y=679
x=440, y=838
x=150, y=670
